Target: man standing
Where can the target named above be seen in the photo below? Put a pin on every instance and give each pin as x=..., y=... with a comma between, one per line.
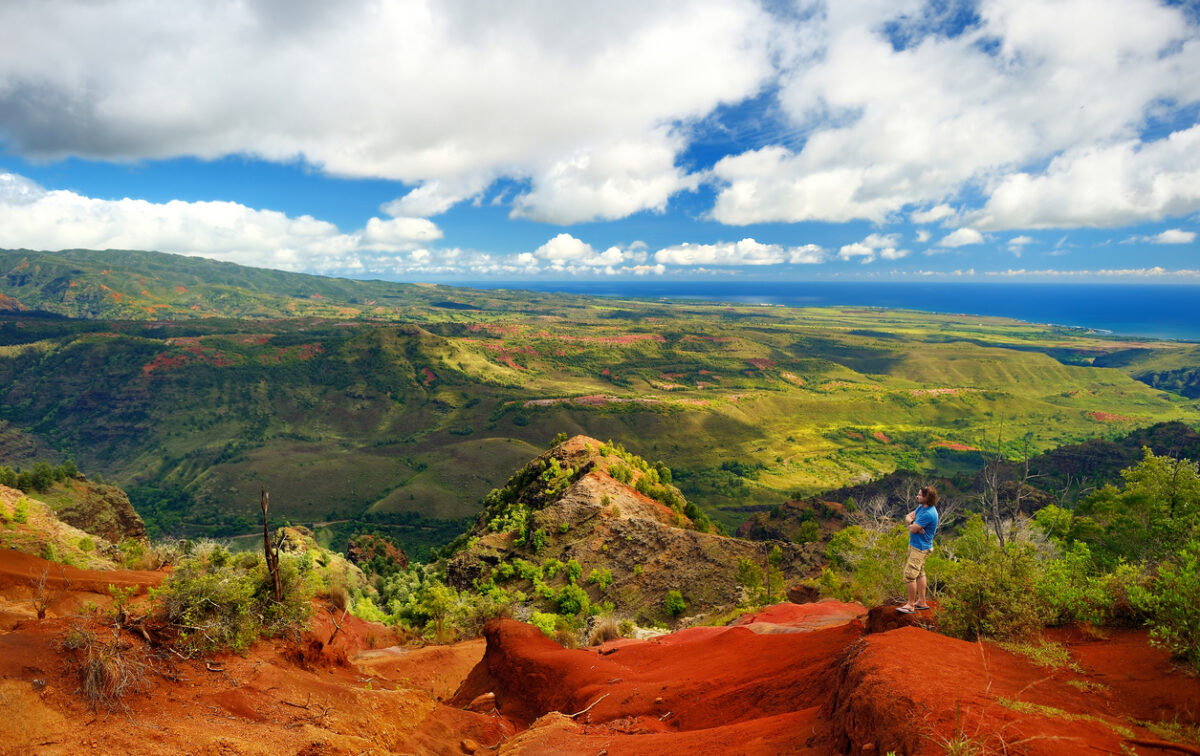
x=922, y=526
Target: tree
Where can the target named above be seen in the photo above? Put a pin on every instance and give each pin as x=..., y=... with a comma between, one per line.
x=674, y=603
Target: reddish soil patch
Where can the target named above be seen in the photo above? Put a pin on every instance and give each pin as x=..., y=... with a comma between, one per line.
x=954, y=445
x=855, y=435
x=762, y=364
x=702, y=679
x=428, y=376
x=181, y=290
x=881, y=436
x=16, y=570
x=629, y=338
x=943, y=391
x=1108, y=417
x=979, y=692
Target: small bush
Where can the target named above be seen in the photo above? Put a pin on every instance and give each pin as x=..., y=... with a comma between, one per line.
x=108, y=669
x=1171, y=600
x=573, y=600
x=606, y=629
x=602, y=579
x=21, y=511
x=674, y=603
x=574, y=571
x=545, y=621
x=221, y=602
x=995, y=597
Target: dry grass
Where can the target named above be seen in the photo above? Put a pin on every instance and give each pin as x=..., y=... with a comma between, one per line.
x=605, y=630
x=108, y=667
x=566, y=638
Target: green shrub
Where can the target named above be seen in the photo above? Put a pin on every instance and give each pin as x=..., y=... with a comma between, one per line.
x=550, y=568
x=602, y=579
x=538, y=540
x=545, y=621
x=1171, y=601
x=221, y=602
x=1070, y=589
x=808, y=532
x=994, y=597
x=866, y=565
x=574, y=571
x=21, y=511
x=674, y=603
x=572, y=600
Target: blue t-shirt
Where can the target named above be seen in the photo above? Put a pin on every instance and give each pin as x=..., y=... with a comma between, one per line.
x=927, y=517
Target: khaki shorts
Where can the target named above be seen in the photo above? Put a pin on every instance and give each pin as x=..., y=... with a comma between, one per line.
x=915, y=566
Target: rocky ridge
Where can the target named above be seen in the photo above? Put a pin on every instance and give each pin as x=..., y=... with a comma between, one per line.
x=608, y=525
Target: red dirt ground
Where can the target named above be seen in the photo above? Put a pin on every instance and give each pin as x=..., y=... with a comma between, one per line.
x=791, y=678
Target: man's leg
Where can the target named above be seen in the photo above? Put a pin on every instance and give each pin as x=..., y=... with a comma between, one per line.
x=912, y=594
x=921, y=584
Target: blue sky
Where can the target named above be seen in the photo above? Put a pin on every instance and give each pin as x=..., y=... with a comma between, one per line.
x=875, y=139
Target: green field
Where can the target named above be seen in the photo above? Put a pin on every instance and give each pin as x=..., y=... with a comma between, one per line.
x=342, y=407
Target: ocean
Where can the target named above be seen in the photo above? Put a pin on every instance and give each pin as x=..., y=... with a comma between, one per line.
x=1160, y=311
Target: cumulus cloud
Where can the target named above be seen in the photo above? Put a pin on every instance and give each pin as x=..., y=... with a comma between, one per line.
x=923, y=116
x=575, y=99
x=607, y=182
x=875, y=245
x=745, y=252
x=565, y=252
x=961, y=238
x=33, y=217
x=1101, y=186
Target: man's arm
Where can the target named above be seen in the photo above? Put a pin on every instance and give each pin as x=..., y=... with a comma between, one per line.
x=915, y=528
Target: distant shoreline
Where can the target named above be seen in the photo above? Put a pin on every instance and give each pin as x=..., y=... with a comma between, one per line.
x=1159, y=311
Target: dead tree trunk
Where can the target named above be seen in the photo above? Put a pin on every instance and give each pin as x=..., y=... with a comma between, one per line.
x=271, y=552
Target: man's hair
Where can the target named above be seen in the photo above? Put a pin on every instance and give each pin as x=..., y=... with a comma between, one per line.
x=931, y=497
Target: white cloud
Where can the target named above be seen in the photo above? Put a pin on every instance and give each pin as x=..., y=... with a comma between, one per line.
x=607, y=182
x=437, y=196
x=571, y=97
x=932, y=215
x=1156, y=272
x=38, y=219
x=922, y=235
x=1017, y=244
x=961, y=238
x=1101, y=186
x=1175, y=236
x=809, y=254
x=745, y=252
x=881, y=245
x=566, y=253
x=888, y=127
x=857, y=249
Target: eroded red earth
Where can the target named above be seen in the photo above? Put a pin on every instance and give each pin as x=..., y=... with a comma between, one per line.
x=816, y=678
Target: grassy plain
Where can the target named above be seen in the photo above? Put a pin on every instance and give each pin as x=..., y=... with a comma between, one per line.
x=343, y=407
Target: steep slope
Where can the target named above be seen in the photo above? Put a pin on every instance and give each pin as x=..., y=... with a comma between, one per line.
x=631, y=542
x=96, y=508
